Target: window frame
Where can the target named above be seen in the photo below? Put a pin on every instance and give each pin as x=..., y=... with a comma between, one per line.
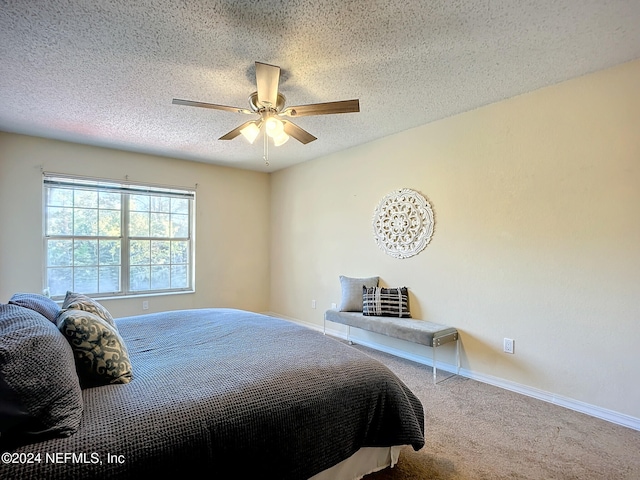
x=126, y=189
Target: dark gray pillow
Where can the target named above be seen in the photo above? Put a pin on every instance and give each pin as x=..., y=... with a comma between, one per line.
x=34, y=301
x=100, y=353
x=386, y=302
x=79, y=301
x=352, y=292
x=40, y=394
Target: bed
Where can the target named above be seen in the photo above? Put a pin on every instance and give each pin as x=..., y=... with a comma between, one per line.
x=221, y=389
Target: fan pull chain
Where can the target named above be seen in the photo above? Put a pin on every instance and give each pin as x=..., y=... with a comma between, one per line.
x=265, y=155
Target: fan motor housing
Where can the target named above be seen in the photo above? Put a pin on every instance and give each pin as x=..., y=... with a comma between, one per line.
x=256, y=106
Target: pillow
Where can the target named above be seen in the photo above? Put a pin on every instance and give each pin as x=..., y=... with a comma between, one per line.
x=386, y=302
x=100, y=353
x=352, y=292
x=34, y=301
x=39, y=389
x=79, y=301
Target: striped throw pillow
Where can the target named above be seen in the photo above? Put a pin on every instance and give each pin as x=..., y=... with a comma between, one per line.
x=386, y=302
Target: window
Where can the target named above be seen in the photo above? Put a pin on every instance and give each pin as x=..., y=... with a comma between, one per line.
x=106, y=238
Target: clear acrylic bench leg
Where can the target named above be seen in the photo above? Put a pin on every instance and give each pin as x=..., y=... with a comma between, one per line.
x=435, y=368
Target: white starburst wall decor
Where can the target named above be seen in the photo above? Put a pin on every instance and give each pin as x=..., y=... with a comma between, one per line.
x=403, y=223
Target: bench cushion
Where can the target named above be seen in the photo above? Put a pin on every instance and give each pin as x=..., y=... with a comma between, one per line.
x=412, y=330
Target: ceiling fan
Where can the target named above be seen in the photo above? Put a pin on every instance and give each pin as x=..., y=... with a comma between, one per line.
x=269, y=104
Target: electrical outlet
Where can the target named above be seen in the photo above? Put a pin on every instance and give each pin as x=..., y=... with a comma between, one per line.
x=145, y=305
x=313, y=304
x=334, y=305
x=508, y=345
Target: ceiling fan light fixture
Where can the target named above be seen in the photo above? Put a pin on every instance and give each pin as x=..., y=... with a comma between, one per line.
x=280, y=139
x=250, y=132
x=274, y=127
x=269, y=104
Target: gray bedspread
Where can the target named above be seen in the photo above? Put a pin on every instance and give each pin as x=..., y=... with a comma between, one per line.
x=221, y=389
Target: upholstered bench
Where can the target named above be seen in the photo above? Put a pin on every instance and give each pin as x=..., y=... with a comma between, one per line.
x=412, y=330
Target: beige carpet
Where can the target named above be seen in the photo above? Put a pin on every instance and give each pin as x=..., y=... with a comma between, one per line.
x=478, y=431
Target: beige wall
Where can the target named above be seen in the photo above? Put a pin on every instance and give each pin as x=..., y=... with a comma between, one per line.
x=537, y=234
x=232, y=220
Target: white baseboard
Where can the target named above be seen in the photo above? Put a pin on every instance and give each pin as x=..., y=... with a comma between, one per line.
x=566, y=402
x=570, y=403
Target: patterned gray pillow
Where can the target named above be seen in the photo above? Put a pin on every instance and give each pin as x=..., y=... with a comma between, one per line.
x=100, y=353
x=34, y=301
x=352, y=292
x=39, y=388
x=386, y=302
x=82, y=302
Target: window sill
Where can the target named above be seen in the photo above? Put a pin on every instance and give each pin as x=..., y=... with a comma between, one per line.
x=138, y=295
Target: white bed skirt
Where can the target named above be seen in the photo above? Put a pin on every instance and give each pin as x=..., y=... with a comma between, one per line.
x=365, y=461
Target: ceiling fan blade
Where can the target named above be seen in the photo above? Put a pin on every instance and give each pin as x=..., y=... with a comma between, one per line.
x=236, y=131
x=298, y=133
x=267, y=80
x=189, y=103
x=343, y=106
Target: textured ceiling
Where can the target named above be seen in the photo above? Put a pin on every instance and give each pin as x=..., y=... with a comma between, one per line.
x=105, y=72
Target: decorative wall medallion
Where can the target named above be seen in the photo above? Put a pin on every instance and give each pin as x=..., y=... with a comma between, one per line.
x=403, y=223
